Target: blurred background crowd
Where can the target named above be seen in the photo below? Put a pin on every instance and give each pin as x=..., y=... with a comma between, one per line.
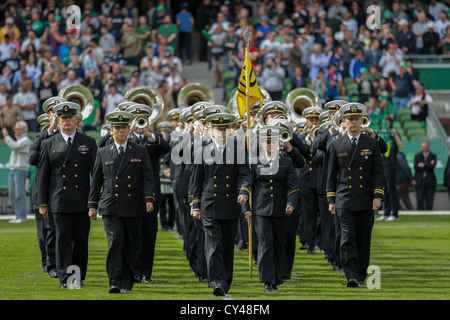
x=324, y=45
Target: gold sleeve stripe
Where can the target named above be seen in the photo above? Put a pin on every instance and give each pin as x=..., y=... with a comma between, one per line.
x=246, y=189
x=196, y=201
x=293, y=191
x=92, y=202
x=149, y=197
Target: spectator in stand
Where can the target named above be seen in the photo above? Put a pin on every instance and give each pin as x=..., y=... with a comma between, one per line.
x=406, y=38
x=117, y=21
x=185, y=23
x=130, y=11
x=419, y=28
x=115, y=57
x=112, y=98
x=269, y=47
x=365, y=86
x=5, y=49
x=263, y=27
x=203, y=22
x=107, y=40
x=350, y=46
x=431, y=40
x=334, y=79
x=441, y=24
x=435, y=8
x=6, y=77
x=272, y=79
x=70, y=79
x=390, y=60
x=318, y=61
x=130, y=44
x=386, y=36
x=9, y=26
x=420, y=103
x=47, y=89
x=372, y=56
x=320, y=85
x=143, y=30
x=295, y=61
x=402, y=85
x=445, y=42
x=54, y=37
x=27, y=101
x=169, y=30
x=357, y=62
x=10, y=113
x=217, y=51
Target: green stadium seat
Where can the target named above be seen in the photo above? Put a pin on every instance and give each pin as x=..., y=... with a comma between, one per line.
x=418, y=138
x=416, y=132
x=404, y=117
x=404, y=111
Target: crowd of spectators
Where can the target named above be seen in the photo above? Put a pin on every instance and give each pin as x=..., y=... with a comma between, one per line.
x=324, y=45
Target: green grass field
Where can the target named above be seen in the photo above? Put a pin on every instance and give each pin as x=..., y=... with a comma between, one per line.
x=412, y=254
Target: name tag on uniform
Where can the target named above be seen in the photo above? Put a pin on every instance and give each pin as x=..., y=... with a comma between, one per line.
x=107, y=163
x=343, y=155
x=136, y=160
x=57, y=150
x=83, y=149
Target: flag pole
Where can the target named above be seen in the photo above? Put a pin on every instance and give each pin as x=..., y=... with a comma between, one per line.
x=246, y=35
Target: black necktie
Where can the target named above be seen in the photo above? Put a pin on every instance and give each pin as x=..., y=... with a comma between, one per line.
x=121, y=152
x=69, y=142
x=354, y=143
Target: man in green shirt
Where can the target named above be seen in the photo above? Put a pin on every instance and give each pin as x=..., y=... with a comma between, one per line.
x=170, y=31
x=143, y=30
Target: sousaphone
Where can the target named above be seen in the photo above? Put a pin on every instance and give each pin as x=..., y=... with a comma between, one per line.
x=299, y=99
x=192, y=93
x=80, y=95
x=147, y=96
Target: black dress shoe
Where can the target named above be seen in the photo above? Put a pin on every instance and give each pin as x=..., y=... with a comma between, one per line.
x=53, y=274
x=146, y=279
x=137, y=278
x=114, y=289
x=268, y=287
x=352, y=283
x=63, y=285
x=218, y=291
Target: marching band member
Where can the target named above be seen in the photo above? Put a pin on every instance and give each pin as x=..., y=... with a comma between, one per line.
x=355, y=188
x=45, y=227
x=308, y=177
x=65, y=163
x=274, y=197
x=156, y=146
x=220, y=185
x=319, y=146
x=123, y=172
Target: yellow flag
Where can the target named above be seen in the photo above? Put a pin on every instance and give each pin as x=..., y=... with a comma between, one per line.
x=247, y=86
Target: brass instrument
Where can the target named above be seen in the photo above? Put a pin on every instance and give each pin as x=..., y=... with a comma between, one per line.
x=141, y=121
x=287, y=130
x=299, y=99
x=192, y=93
x=313, y=132
x=366, y=121
x=336, y=122
x=80, y=95
x=147, y=96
